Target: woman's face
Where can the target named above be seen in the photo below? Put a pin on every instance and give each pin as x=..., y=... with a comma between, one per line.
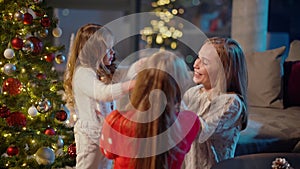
x=109, y=56
x=206, y=66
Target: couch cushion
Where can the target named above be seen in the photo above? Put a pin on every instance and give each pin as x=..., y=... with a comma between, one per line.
x=264, y=76
x=291, y=83
x=294, y=53
x=270, y=130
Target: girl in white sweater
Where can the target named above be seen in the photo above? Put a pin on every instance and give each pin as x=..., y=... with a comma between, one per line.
x=219, y=101
x=89, y=91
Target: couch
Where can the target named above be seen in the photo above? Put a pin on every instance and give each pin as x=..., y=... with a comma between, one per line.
x=274, y=102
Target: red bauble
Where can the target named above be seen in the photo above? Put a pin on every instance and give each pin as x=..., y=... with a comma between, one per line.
x=37, y=45
x=72, y=150
x=61, y=115
x=4, y=111
x=28, y=18
x=12, y=150
x=45, y=21
x=49, y=131
x=16, y=119
x=49, y=57
x=12, y=86
x=17, y=43
x=41, y=76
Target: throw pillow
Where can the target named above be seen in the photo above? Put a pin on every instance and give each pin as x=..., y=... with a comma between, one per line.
x=264, y=78
x=294, y=53
x=291, y=84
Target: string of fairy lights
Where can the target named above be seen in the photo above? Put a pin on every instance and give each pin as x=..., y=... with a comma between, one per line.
x=164, y=31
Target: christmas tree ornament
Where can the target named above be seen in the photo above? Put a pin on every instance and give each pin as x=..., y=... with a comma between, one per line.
x=17, y=43
x=45, y=21
x=37, y=45
x=72, y=150
x=4, y=111
x=12, y=86
x=9, y=69
x=57, y=32
x=59, y=59
x=44, y=156
x=49, y=57
x=43, y=105
x=18, y=16
x=43, y=33
x=12, y=150
x=28, y=46
x=49, y=131
x=61, y=115
x=41, y=76
x=16, y=119
x=9, y=53
x=59, y=144
x=28, y=19
x=31, y=12
x=32, y=111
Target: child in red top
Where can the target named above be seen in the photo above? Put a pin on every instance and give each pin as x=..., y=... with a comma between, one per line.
x=149, y=132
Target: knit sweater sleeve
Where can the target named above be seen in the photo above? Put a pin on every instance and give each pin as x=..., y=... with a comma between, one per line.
x=86, y=80
x=224, y=112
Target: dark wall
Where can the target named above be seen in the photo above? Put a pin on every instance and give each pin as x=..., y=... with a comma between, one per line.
x=284, y=16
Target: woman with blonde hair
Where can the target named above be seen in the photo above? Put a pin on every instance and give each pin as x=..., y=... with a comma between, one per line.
x=220, y=101
x=152, y=132
x=89, y=92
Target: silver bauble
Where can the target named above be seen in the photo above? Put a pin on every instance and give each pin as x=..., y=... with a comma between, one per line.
x=43, y=33
x=59, y=144
x=44, y=156
x=43, y=105
x=9, y=69
x=60, y=59
x=18, y=16
x=28, y=46
x=9, y=53
x=32, y=111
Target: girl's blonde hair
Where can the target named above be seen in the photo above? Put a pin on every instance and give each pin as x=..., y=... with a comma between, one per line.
x=234, y=76
x=167, y=73
x=88, y=50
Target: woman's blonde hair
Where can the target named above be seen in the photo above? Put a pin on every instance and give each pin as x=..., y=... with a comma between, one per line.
x=234, y=78
x=167, y=73
x=88, y=50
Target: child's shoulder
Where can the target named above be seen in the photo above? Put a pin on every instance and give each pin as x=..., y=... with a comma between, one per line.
x=83, y=70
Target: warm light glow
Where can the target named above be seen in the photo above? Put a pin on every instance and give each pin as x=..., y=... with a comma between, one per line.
x=159, y=39
x=32, y=141
x=154, y=4
x=24, y=128
x=173, y=45
x=174, y=11
x=23, y=70
x=181, y=11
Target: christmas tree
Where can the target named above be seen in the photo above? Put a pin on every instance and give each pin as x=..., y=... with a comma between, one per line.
x=33, y=130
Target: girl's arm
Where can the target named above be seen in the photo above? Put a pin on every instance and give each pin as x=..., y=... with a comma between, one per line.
x=86, y=80
x=224, y=112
